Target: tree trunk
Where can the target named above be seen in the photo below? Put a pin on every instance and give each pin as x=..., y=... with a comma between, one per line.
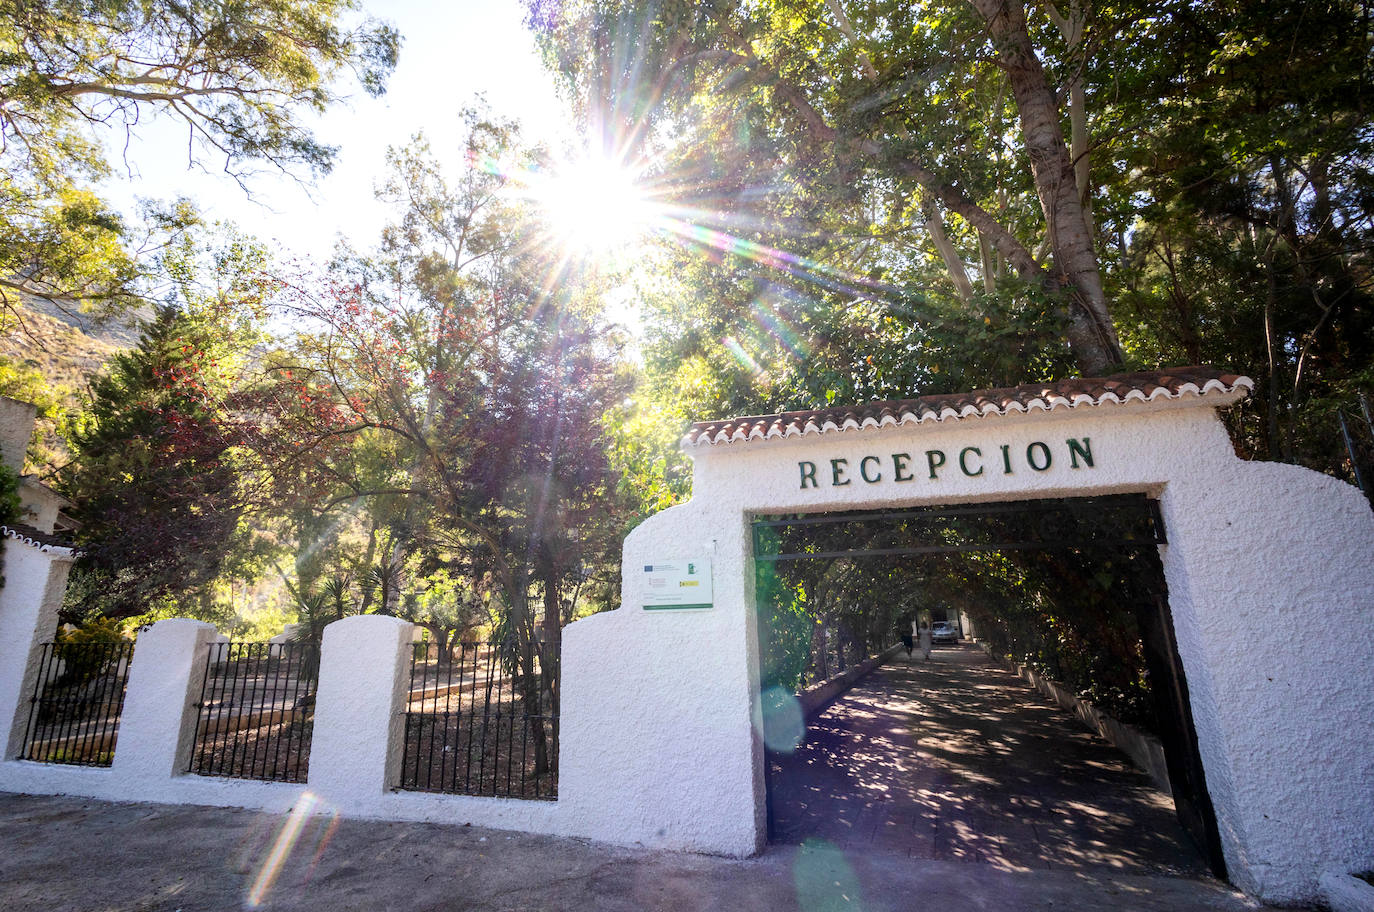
x=368, y=556
x=934, y=220
x=1072, y=28
x=1078, y=147
x=822, y=640
x=1075, y=274
x=954, y=264
x=1187, y=330
x=991, y=268
x=553, y=641
x=1272, y=412
x=1075, y=270
x=443, y=643
x=523, y=629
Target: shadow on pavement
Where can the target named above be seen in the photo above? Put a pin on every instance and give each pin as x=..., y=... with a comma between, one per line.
x=958, y=759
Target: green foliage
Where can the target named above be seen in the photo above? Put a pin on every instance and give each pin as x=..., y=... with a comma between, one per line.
x=82, y=664
x=851, y=194
x=786, y=629
x=312, y=613
x=9, y=503
x=812, y=610
x=95, y=630
x=1068, y=613
x=1250, y=250
x=860, y=154
x=243, y=78
x=450, y=606
x=454, y=390
x=653, y=472
x=154, y=477
x=79, y=756
x=27, y=384
x=9, y=495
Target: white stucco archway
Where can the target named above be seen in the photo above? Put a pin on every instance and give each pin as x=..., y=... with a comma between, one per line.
x=659, y=743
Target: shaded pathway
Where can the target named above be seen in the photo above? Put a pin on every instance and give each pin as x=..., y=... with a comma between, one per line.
x=958, y=759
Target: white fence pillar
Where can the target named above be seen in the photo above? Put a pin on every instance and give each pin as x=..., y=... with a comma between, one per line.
x=159, y=724
x=355, y=751
x=35, y=578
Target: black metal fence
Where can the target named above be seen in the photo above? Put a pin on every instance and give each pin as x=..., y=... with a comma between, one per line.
x=256, y=711
x=76, y=704
x=834, y=649
x=481, y=720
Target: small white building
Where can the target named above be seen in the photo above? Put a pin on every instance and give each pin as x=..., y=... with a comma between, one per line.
x=42, y=506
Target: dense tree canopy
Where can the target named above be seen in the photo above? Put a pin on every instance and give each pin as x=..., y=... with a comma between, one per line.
x=875, y=200
x=885, y=116
x=155, y=475
x=240, y=77
x=851, y=201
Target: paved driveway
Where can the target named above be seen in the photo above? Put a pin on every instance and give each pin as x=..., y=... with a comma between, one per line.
x=960, y=760
x=75, y=855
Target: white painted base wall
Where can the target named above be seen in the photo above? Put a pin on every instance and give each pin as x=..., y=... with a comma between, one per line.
x=356, y=741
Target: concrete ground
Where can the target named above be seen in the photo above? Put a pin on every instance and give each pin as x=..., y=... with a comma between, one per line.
x=76, y=855
x=958, y=759
x=82, y=855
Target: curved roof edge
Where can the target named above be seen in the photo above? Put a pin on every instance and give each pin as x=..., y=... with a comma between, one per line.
x=1174, y=384
x=40, y=540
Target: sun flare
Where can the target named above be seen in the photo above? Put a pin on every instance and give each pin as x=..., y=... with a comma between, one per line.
x=596, y=206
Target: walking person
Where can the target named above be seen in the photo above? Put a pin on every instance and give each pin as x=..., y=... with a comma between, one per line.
x=924, y=638
x=909, y=640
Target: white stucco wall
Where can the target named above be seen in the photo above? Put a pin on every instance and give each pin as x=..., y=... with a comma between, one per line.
x=655, y=725
x=35, y=579
x=40, y=504
x=1257, y=554
x=1271, y=580
x=658, y=742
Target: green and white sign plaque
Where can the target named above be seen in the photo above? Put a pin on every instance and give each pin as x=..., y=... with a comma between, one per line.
x=677, y=584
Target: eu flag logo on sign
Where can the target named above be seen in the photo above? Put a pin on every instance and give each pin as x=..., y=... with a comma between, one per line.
x=648, y=568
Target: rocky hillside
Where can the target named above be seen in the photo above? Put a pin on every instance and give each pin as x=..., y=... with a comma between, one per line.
x=67, y=350
x=65, y=354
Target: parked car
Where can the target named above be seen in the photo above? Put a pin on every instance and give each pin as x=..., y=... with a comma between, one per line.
x=944, y=632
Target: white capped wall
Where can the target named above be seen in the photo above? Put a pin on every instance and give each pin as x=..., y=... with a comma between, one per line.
x=1271, y=580
x=1257, y=554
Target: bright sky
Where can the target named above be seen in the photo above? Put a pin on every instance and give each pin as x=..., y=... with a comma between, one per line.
x=451, y=52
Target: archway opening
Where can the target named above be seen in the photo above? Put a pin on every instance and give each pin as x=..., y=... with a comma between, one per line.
x=954, y=757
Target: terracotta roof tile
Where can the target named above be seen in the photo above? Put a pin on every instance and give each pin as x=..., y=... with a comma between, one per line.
x=1144, y=386
x=44, y=541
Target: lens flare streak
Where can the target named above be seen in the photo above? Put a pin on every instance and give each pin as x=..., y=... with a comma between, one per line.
x=743, y=357
x=770, y=321
x=282, y=847
x=801, y=267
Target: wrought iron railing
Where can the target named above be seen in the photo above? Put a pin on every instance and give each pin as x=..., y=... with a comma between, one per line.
x=76, y=704
x=481, y=719
x=833, y=650
x=256, y=711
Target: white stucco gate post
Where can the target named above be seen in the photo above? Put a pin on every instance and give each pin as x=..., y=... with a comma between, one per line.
x=659, y=746
x=35, y=574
